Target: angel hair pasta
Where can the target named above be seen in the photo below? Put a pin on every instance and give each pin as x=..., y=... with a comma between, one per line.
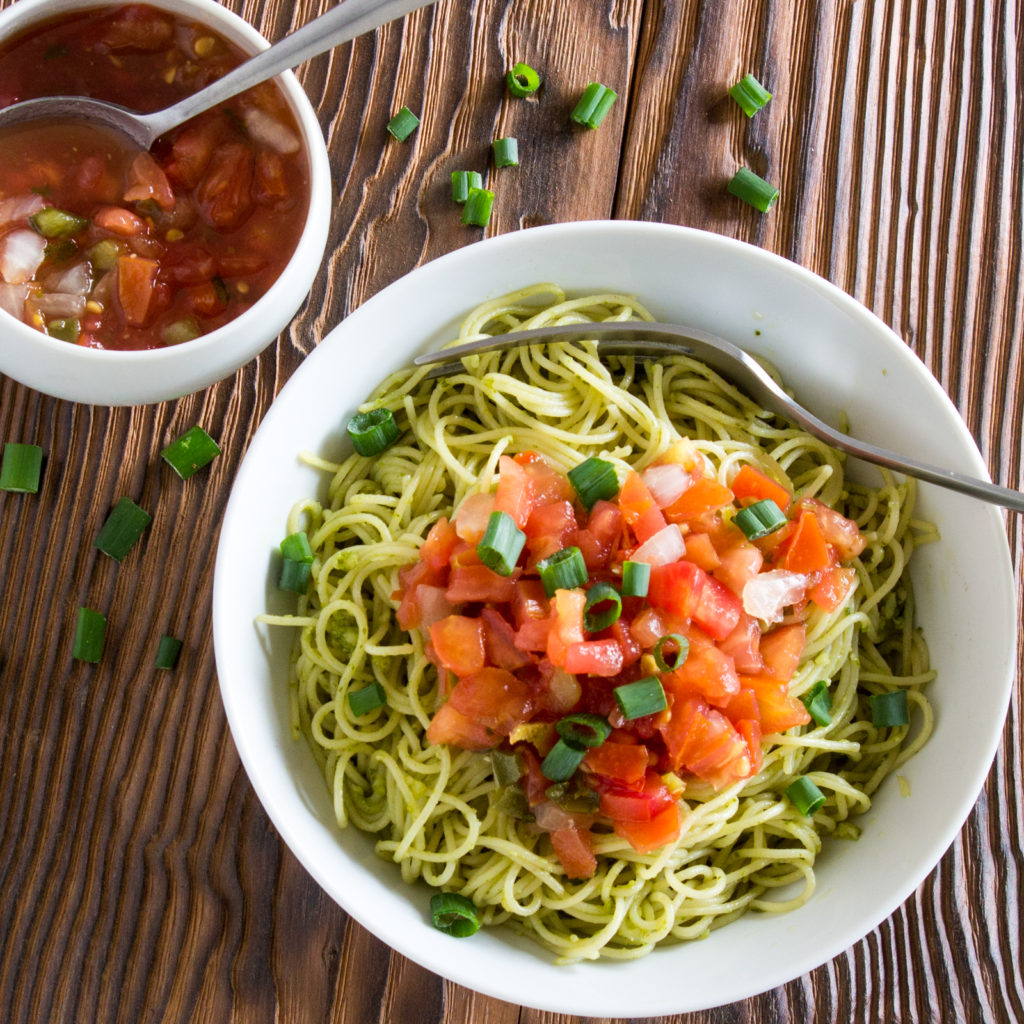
x=600, y=645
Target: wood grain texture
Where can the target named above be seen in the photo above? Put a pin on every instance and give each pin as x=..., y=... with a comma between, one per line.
x=140, y=879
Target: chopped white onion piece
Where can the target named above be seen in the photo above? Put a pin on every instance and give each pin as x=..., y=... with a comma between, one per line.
x=551, y=817
x=665, y=547
x=12, y=299
x=768, y=593
x=74, y=280
x=18, y=209
x=21, y=252
x=266, y=130
x=666, y=483
x=59, y=304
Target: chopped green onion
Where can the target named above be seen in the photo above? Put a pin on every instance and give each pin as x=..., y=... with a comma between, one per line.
x=168, y=651
x=889, y=709
x=368, y=698
x=818, y=702
x=295, y=575
x=644, y=697
x=54, y=223
x=760, y=519
x=477, y=210
x=21, y=467
x=454, y=914
x=750, y=94
x=746, y=185
x=90, y=632
x=564, y=570
x=583, y=729
x=296, y=547
x=594, y=480
x=602, y=608
x=180, y=331
x=805, y=795
x=502, y=544
x=506, y=152
x=403, y=124
x=463, y=182
x=562, y=760
x=522, y=80
x=67, y=329
x=190, y=452
x=636, y=578
x=593, y=105
x=506, y=767
x=373, y=431
x=122, y=529
x=682, y=646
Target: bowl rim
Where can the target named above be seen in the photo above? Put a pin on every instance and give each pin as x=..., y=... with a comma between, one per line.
x=231, y=345
x=435, y=274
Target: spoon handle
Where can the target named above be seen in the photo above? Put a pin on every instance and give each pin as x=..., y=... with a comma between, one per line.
x=340, y=24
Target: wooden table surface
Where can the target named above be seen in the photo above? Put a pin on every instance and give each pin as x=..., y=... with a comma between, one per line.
x=140, y=879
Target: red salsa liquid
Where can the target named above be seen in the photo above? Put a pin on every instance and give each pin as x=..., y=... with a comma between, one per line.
x=105, y=246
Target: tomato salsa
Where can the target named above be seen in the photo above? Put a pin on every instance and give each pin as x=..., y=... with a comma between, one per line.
x=613, y=640
x=106, y=246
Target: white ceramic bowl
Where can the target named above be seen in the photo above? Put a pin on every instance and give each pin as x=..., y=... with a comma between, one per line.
x=100, y=377
x=836, y=355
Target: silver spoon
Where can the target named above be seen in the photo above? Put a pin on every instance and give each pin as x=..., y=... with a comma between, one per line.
x=350, y=19
x=637, y=337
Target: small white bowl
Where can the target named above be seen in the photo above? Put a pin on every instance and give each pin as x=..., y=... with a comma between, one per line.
x=835, y=355
x=100, y=377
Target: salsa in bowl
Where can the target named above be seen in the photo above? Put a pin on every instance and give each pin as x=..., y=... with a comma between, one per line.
x=129, y=276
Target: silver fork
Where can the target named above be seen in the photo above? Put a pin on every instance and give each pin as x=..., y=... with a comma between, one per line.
x=636, y=337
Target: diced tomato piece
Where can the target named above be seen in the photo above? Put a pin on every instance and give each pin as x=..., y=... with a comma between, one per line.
x=685, y=453
x=807, y=551
x=629, y=803
x=534, y=782
x=191, y=151
x=620, y=632
x=708, y=670
x=494, y=698
x=478, y=583
x=136, y=277
x=623, y=762
x=137, y=28
x=718, y=608
x=750, y=730
x=533, y=635
x=551, y=527
x=224, y=196
x=515, y=491
x=639, y=508
x=842, y=533
x=439, y=544
x=96, y=181
x=594, y=658
x=648, y=836
x=118, y=221
x=743, y=645
x=190, y=263
x=834, y=588
x=676, y=588
x=779, y=710
x=602, y=535
x=146, y=180
x=566, y=624
x=723, y=757
x=548, y=483
x=530, y=602
x=739, y=563
x=472, y=516
x=464, y=555
x=704, y=495
x=206, y=299
x=451, y=726
x=750, y=485
x=459, y=643
x=410, y=578
x=648, y=627
x=701, y=551
x=574, y=852
x=499, y=642
x=270, y=185
x=782, y=650
x=236, y=263
x=743, y=705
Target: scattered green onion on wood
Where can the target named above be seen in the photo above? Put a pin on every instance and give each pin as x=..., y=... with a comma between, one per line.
x=190, y=452
x=90, y=632
x=602, y=608
x=368, y=698
x=593, y=105
x=21, y=468
x=562, y=761
x=889, y=709
x=522, y=80
x=583, y=729
x=167, y=652
x=760, y=519
x=403, y=124
x=746, y=185
x=750, y=94
x=372, y=432
x=682, y=651
x=477, y=210
x=818, y=702
x=564, y=570
x=463, y=182
x=636, y=578
x=506, y=152
x=454, y=914
x=122, y=529
x=594, y=480
x=805, y=795
x=644, y=697
x=502, y=544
